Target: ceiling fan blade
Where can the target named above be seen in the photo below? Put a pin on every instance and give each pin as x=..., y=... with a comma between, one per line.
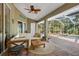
x=31, y=6
x=37, y=9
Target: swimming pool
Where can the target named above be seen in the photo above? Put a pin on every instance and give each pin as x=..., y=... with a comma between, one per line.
x=72, y=36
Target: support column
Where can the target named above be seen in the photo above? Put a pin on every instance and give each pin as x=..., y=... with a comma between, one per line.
x=46, y=29
x=36, y=28
x=28, y=26
x=3, y=27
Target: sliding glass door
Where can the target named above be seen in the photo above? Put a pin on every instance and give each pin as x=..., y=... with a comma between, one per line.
x=1, y=46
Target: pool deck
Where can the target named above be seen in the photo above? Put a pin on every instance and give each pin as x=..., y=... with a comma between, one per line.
x=65, y=38
x=64, y=47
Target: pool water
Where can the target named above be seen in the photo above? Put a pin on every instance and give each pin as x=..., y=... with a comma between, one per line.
x=72, y=37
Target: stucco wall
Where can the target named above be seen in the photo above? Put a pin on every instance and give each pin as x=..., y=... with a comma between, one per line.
x=16, y=16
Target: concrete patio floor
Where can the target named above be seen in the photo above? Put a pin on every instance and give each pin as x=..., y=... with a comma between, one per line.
x=62, y=48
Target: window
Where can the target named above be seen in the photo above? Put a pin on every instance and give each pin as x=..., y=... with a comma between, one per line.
x=25, y=29
x=20, y=27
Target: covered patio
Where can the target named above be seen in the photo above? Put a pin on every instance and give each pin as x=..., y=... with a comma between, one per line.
x=55, y=26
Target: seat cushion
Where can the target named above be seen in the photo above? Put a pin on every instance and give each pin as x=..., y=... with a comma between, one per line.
x=17, y=48
x=34, y=43
x=37, y=43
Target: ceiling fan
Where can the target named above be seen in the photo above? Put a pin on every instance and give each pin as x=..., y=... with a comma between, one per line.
x=33, y=9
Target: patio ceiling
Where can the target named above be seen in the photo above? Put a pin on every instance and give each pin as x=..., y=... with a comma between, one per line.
x=67, y=14
x=63, y=10
x=46, y=8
